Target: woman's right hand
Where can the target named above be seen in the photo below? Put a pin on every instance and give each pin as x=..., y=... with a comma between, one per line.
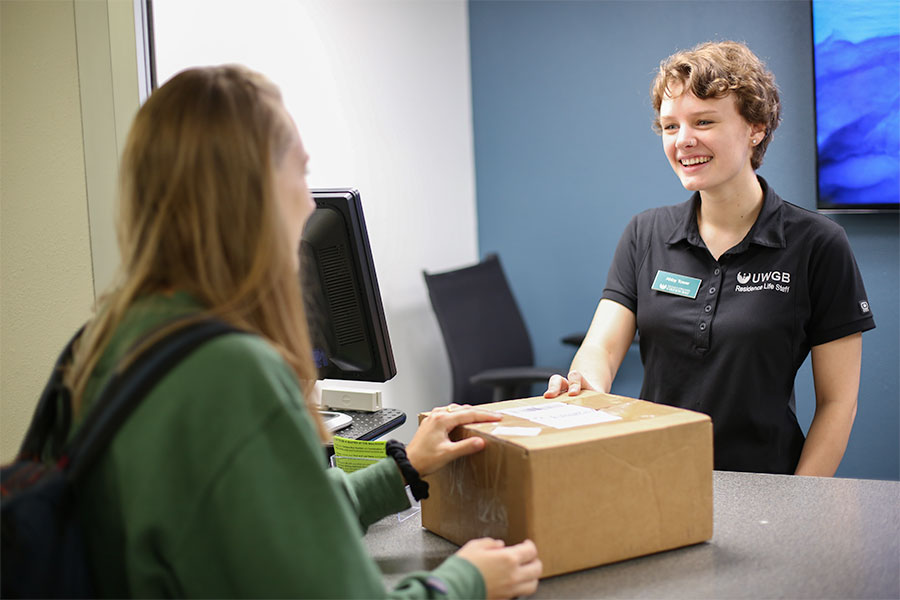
x=605, y=344
x=508, y=571
x=431, y=447
x=574, y=384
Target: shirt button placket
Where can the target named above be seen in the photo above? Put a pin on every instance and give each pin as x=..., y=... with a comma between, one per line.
x=715, y=291
x=712, y=298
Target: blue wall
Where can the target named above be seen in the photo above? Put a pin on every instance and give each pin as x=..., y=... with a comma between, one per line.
x=565, y=156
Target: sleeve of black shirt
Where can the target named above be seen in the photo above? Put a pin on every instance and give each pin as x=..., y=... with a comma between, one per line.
x=621, y=282
x=838, y=298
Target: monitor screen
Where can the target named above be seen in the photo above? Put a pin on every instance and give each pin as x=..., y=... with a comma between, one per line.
x=343, y=304
x=856, y=54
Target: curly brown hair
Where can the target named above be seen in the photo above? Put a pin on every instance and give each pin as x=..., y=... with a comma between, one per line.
x=716, y=69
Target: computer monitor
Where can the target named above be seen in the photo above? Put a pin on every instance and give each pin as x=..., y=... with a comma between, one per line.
x=343, y=304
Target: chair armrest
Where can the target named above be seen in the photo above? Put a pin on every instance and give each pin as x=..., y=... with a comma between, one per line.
x=574, y=339
x=510, y=376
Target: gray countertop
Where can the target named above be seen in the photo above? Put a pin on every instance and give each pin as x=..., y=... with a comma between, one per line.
x=775, y=536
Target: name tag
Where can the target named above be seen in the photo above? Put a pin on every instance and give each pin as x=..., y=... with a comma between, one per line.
x=678, y=285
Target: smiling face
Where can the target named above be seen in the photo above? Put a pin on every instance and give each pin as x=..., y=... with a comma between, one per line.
x=708, y=143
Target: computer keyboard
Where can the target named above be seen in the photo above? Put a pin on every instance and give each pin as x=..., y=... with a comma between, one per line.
x=371, y=425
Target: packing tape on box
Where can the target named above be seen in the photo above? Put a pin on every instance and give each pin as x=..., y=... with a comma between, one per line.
x=466, y=483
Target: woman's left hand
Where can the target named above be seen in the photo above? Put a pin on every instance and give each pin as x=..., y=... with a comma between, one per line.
x=431, y=447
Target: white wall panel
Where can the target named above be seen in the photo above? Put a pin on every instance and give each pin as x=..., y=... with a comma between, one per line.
x=380, y=91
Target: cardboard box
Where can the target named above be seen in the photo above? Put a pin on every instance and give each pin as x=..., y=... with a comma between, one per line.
x=585, y=495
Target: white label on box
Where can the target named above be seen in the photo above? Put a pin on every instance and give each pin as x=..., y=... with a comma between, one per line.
x=560, y=415
x=529, y=431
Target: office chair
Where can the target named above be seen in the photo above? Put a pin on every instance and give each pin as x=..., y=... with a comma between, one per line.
x=491, y=357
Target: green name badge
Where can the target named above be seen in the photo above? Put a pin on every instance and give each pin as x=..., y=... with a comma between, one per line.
x=679, y=285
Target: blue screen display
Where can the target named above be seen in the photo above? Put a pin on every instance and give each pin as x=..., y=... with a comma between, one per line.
x=857, y=79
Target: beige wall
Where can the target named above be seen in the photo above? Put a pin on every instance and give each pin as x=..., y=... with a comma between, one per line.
x=67, y=93
x=46, y=279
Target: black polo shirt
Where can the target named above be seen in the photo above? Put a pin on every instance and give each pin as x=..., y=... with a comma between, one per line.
x=734, y=349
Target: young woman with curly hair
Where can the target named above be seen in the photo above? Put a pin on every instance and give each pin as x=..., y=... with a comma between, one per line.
x=734, y=288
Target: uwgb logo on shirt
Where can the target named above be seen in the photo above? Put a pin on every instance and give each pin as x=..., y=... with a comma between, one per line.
x=757, y=282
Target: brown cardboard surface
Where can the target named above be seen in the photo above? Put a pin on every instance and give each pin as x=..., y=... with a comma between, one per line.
x=587, y=495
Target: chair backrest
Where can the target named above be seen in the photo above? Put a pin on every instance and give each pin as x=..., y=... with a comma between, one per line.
x=481, y=323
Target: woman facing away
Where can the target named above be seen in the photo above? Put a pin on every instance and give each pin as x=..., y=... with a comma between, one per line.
x=732, y=289
x=217, y=486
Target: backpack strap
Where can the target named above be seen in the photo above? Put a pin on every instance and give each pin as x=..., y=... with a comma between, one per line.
x=127, y=388
x=47, y=426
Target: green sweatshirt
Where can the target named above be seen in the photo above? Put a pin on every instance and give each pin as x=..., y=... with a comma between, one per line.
x=217, y=486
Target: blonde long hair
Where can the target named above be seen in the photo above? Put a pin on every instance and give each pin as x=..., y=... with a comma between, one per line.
x=197, y=212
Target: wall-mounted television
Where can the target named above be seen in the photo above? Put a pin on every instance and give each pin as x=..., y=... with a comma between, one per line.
x=856, y=57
